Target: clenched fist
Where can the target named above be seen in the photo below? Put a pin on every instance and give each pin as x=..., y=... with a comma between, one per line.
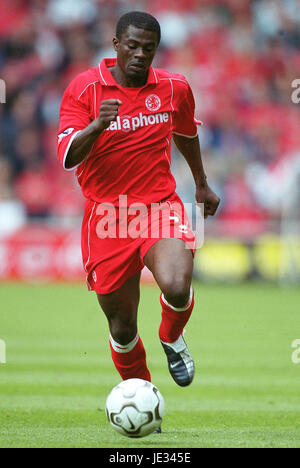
x=109, y=111
x=210, y=200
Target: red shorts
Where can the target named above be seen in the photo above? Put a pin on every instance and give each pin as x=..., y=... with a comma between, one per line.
x=115, y=240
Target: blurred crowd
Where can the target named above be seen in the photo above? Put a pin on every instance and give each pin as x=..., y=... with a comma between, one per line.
x=240, y=57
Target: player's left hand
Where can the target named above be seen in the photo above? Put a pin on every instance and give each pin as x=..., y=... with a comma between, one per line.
x=210, y=200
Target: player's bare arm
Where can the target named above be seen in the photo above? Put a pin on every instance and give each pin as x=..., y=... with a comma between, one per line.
x=190, y=149
x=84, y=140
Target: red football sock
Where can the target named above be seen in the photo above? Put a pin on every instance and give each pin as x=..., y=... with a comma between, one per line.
x=130, y=360
x=174, y=319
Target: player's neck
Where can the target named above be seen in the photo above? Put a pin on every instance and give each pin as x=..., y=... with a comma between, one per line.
x=125, y=81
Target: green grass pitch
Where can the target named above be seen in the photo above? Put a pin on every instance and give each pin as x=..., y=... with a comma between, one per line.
x=246, y=392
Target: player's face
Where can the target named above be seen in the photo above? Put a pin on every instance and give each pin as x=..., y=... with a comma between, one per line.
x=136, y=51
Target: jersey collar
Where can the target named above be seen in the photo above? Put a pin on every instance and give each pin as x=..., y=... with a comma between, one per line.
x=107, y=79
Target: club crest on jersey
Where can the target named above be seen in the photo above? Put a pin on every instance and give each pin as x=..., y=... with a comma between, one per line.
x=153, y=102
x=65, y=133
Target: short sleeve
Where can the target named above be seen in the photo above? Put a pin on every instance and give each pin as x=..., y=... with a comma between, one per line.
x=184, y=122
x=74, y=116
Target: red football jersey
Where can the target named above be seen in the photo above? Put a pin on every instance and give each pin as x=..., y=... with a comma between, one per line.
x=132, y=157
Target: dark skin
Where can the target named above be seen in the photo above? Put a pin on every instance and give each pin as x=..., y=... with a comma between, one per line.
x=135, y=53
x=168, y=259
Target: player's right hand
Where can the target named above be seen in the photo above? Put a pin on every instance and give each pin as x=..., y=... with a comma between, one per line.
x=109, y=110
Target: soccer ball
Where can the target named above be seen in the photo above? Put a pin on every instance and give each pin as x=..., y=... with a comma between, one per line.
x=135, y=408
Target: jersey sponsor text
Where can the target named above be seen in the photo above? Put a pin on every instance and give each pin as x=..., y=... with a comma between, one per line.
x=127, y=123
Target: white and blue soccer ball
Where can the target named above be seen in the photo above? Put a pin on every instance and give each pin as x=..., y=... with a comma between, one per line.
x=135, y=408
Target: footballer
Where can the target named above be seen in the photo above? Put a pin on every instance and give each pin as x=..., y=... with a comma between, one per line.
x=117, y=121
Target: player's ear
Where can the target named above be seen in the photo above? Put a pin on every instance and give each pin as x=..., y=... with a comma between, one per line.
x=116, y=43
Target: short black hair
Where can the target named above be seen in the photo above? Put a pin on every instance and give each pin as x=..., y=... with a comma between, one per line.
x=140, y=20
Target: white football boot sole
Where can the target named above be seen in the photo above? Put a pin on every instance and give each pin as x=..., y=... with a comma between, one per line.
x=180, y=361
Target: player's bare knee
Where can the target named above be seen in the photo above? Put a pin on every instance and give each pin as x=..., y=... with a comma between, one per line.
x=123, y=330
x=123, y=336
x=177, y=291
